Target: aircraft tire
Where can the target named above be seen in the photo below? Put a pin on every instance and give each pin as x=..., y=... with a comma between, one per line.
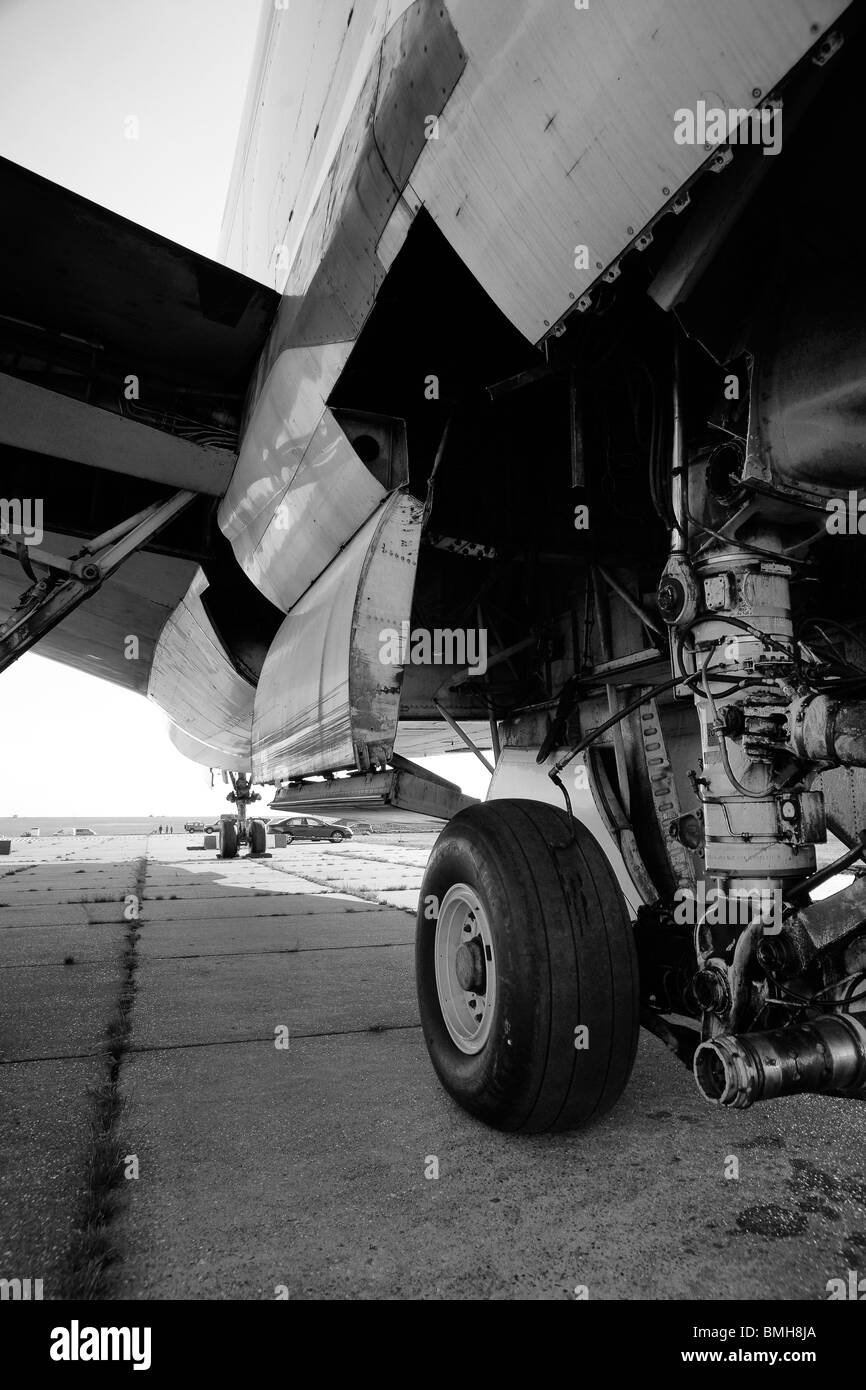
x=228, y=841
x=258, y=837
x=526, y=968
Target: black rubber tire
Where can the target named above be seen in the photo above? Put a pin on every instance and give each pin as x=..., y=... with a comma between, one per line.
x=258, y=837
x=289, y=838
x=228, y=841
x=337, y=837
x=565, y=956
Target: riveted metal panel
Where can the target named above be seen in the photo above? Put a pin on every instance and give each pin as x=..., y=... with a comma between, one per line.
x=561, y=130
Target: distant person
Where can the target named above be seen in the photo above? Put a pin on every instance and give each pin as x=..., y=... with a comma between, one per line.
x=160, y=830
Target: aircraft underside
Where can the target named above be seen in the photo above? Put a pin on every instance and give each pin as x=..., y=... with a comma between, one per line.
x=560, y=459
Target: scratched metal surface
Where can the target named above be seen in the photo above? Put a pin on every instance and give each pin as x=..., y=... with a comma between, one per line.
x=324, y=699
x=561, y=130
x=347, y=96
x=193, y=680
x=300, y=491
x=556, y=130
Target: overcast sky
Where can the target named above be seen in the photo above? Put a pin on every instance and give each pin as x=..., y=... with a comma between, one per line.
x=71, y=76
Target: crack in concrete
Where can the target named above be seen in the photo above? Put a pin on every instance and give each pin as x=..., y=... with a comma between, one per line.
x=92, y=1251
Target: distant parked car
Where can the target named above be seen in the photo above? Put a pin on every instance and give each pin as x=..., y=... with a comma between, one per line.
x=310, y=828
x=196, y=827
x=357, y=827
x=84, y=830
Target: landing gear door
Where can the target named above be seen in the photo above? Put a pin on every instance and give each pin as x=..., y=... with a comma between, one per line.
x=328, y=696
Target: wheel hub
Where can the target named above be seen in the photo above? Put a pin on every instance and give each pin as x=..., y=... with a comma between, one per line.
x=470, y=965
x=465, y=968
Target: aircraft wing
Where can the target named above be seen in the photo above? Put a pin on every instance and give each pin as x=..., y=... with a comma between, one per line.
x=124, y=363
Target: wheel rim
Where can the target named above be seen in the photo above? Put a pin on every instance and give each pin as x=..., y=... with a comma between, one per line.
x=465, y=968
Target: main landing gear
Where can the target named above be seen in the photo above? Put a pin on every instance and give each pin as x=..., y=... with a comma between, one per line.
x=237, y=831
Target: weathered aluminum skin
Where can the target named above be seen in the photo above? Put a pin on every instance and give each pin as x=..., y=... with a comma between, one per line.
x=193, y=680
x=419, y=739
x=560, y=132
x=556, y=128
x=292, y=514
x=325, y=700
x=225, y=755
x=368, y=85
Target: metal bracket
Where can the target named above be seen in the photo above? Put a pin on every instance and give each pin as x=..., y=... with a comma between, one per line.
x=405, y=786
x=71, y=581
x=461, y=733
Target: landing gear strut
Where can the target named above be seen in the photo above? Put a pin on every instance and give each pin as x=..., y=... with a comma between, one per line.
x=236, y=831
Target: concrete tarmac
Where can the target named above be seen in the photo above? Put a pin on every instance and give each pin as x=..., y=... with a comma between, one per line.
x=291, y=1137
